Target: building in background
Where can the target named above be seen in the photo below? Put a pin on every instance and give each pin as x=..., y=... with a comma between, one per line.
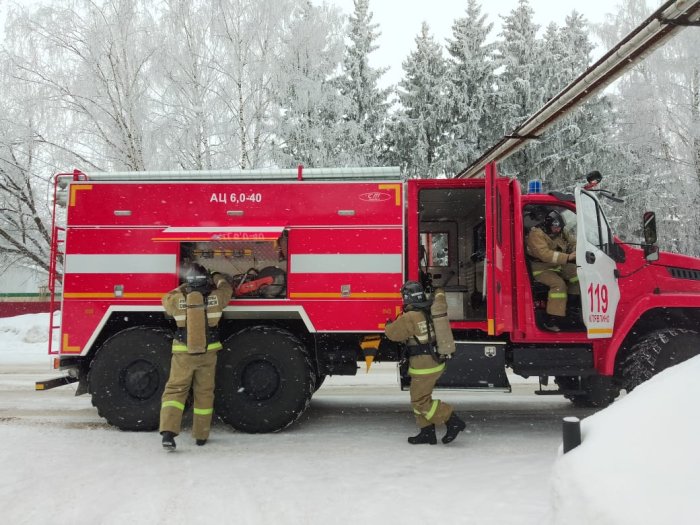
x=23, y=290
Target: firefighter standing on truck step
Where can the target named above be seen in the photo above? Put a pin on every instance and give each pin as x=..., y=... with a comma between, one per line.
x=555, y=255
x=196, y=306
x=413, y=328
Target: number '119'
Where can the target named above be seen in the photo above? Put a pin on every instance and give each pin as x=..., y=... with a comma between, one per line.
x=599, y=297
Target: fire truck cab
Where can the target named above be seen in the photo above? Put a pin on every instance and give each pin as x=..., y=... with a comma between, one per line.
x=317, y=258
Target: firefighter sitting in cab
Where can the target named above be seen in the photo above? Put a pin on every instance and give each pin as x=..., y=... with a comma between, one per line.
x=414, y=328
x=554, y=254
x=196, y=306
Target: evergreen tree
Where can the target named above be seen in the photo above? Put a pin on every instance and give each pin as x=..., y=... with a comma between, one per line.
x=470, y=89
x=518, y=95
x=580, y=142
x=368, y=106
x=419, y=129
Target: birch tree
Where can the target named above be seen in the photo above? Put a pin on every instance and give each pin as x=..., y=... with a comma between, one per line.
x=311, y=127
x=191, y=122
x=24, y=215
x=92, y=59
x=252, y=34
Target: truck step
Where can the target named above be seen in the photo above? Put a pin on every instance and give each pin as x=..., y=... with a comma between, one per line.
x=53, y=383
x=560, y=392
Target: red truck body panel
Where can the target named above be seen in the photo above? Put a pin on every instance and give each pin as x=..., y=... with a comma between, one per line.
x=351, y=245
x=127, y=235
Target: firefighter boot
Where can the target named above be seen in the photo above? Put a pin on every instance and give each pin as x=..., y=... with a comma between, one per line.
x=455, y=425
x=426, y=435
x=552, y=323
x=201, y=442
x=168, y=441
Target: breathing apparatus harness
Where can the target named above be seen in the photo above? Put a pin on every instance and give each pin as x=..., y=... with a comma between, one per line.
x=198, y=281
x=415, y=299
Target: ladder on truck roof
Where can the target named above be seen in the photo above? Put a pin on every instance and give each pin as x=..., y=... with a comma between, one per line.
x=299, y=173
x=62, y=180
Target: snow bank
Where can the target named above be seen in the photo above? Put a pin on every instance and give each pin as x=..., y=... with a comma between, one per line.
x=637, y=465
x=24, y=339
x=638, y=462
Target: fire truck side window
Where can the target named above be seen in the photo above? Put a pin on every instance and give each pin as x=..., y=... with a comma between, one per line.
x=436, y=246
x=596, y=233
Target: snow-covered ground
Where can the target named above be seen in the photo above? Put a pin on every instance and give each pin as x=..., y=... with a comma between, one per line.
x=346, y=460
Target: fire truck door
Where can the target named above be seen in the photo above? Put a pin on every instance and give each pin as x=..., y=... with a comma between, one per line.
x=498, y=253
x=596, y=269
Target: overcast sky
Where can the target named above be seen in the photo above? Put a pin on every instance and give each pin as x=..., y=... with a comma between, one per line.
x=400, y=21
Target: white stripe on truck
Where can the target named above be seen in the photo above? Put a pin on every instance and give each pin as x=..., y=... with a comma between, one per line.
x=121, y=263
x=346, y=263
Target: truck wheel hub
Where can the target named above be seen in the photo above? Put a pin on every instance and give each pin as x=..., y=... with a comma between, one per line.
x=140, y=379
x=260, y=380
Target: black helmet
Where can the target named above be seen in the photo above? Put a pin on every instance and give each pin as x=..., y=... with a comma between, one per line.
x=197, y=279
x=413, y=295
x=553, y=219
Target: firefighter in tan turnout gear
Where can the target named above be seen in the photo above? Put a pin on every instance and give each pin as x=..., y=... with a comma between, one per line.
x=197, y=307
x=555, y=266
x=414, y=328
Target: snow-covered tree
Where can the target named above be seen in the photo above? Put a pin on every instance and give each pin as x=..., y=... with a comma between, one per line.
x=518, y=94
x=253, y=35
x=419, y=129
x=191, y=121
x=581, y=142
x=24, y=216
x=359, y=82
x=658, y=108
x=470, y=89
x=92, y=58
x=311, y=128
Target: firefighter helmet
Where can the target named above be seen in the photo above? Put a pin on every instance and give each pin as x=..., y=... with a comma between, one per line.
x=413, y=295
x=553, y=220
x=197, y=279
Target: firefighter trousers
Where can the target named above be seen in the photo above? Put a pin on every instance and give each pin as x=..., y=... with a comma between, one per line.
x=195, y=371
x=561, y=280
x=425, y=370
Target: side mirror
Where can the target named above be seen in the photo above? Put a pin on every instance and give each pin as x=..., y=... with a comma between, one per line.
x=593, y=179
x=649, y=226
x=651, y=251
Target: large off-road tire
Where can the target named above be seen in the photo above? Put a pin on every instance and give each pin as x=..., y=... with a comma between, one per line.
x=320, y=378
x=128, y=375
x=264, y=380
x=655, y=352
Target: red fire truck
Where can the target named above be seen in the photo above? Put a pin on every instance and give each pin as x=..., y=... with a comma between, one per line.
x=317, y=258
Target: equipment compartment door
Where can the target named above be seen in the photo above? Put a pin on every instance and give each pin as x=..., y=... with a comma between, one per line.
x=596, y=269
